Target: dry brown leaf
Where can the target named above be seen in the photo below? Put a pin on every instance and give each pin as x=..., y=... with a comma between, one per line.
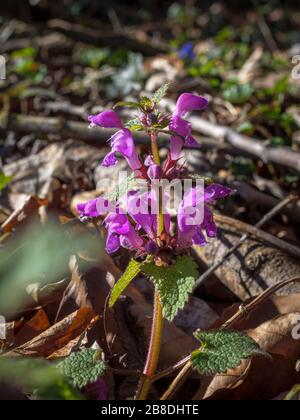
x=90, y=286
x=35, y=326
x=58, y=335
x=27, y=210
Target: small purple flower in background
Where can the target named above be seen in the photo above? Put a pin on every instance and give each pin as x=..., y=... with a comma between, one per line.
x=185, y=104
x=186, y=51
x=122, y=142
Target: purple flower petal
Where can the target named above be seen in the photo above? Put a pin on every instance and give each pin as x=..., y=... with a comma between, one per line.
x=176, y=145
x=216, y=191
x=152, y=248
x=117, y=223
x=88, y=209
x=188, y=102
x=112, y=243
x=132, y=240
x=109, y=160
x=180, y=126
x=149, y=160
x=122, y=142
x=199, y=238
x=155, y=172
x=211, y=229
x=106, y=119
x=95, y=208
x=191, y=142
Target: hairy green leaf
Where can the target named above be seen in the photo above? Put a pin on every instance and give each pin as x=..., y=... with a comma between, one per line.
x=134, y=124
x=160, y=93
x=146, y=103
x=122, y=189
x=223, y=350
x=83, y=367
x=174, y=283
x=131, y=272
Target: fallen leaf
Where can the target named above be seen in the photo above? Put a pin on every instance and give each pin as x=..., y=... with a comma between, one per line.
x=57, y=336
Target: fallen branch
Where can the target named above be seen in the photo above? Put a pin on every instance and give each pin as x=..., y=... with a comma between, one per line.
x=64, y=129
x=103, y=38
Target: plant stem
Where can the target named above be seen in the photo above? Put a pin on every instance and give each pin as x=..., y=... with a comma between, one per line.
x=156, y=158
x=157, y=322
x=154, y=148
x=154, y=350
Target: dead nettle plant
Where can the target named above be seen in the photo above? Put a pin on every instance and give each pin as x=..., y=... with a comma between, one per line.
x=139, y=220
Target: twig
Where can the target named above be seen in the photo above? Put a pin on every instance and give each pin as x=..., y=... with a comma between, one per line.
x=65, y=129
x=254, y=197
x=262, y=236
x=261, y=223
x=170, y=369
x=265, y=30
x=103, y=38
x=180, y=378
x=245, y=310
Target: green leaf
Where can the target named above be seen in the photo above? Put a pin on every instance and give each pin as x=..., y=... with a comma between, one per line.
x=83, y=367
x=134, y=124
x=37, y=377
x=146, y=103
x=292, y=393
x=223, y=350
x=131, y=272
x=160, y=93
x=174, y=283
x=4, y=180
x=127, y=104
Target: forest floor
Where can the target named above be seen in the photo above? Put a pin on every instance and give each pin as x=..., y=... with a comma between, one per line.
x=55, y=278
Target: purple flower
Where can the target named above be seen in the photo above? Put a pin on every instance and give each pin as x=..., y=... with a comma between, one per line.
x=106, y=119
x=187, y=51
x=143, y=209
x=95, y=208
x=122, y=142
x=186, y=103
x=195, y=217
x=121, y=233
